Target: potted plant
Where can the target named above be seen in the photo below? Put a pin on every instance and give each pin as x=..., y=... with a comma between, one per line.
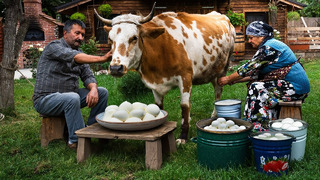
x=105, y=10
x=78, y=16
x=237, y=20
x=293, y=15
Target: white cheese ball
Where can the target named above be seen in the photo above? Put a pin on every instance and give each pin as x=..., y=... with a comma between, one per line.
x=111, y=107
x=293, y=128
x=221, y=120
x=234, y=127
x=153, y=109
x=108, y=114
x=207, y=127
x=276, y=125
x=267, y=134
x=138, y=105
x=287, y=120
x=242, y=127
x=160, y=115
x=114, y=120
x=222, y=126
x=133, y=119
x=139, y=113
x=127, y=106
x=279, y=135
x=230, y=123
x=215, y=123
x=121, y=114
x=262, y=136
x=297, y=124
x=148, y=117
x=273, y=138
x=286, y=126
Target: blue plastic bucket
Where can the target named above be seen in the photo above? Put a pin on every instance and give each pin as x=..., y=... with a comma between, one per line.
x=272, y=157
x=228, y=108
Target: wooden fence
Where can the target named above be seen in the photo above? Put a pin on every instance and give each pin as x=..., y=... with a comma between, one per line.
x=303, y=37
x=300, y=38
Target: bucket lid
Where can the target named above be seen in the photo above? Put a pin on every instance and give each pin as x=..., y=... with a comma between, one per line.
x=227, y=102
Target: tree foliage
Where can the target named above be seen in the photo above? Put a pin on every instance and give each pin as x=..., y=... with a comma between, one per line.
x=312, y=9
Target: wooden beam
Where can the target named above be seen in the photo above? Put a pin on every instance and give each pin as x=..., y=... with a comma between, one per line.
x=291, y=4
x=74, y=5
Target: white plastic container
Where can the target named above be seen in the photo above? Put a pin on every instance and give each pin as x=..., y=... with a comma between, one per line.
x=299, y=145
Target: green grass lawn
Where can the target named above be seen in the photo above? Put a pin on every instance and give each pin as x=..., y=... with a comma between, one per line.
x=22, y=157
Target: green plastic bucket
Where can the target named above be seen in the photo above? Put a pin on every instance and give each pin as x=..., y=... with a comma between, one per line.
x=221, y=149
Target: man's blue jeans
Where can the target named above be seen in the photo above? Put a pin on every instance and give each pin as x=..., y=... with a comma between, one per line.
x=70, y=104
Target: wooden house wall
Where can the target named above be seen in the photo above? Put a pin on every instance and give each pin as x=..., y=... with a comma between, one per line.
x=140, y=6
x=191, y=6
x=247, y=6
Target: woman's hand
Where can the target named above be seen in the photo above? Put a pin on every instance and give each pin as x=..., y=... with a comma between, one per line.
x=223, y=80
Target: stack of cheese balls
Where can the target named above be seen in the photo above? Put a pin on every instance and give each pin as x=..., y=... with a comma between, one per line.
x=287, y=124
x=272, y=137
x=135, y=112
x=221, y=124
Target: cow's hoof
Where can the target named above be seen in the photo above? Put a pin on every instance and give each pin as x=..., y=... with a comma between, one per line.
x=181, y=141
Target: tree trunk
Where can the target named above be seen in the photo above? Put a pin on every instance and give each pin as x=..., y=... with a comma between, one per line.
x=15, y=28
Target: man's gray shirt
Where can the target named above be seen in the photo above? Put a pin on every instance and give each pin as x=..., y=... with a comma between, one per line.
x=58, y=72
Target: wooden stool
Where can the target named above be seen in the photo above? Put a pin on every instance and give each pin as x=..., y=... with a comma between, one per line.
x=158, y=140
x=290, y=109
x=52, y=127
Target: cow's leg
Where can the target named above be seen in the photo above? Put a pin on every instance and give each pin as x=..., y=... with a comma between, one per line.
x=217, y=94
x=185, y=90
x=158, y=98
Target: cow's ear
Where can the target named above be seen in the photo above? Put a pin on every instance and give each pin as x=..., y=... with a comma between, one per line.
x=107, y=28
x=152, y=32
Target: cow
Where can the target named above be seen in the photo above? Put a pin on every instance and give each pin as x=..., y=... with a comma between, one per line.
x=172, y=50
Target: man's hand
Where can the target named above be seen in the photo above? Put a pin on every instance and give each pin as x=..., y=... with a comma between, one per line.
x=93, y=96
x=108, y=56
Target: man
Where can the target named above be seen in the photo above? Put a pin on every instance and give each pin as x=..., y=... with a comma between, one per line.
x=57, y=90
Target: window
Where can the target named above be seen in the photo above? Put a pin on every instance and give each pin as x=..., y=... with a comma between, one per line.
x=256, y=16
x=101, y=34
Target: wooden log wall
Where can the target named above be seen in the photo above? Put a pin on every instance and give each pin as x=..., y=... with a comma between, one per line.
x=249, y=6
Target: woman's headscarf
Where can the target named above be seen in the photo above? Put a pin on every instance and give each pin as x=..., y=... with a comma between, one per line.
x=259, y=28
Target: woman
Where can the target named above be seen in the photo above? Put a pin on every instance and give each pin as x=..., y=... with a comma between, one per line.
x=274, y=74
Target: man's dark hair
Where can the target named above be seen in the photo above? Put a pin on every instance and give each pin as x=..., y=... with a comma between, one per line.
x=69, y=23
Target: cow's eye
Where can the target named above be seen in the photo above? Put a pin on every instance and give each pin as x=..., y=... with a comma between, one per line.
x=133, y=39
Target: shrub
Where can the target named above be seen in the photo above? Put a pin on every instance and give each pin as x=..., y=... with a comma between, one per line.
x=131, y=85
x=293, y=15
x=79, y=16
x=236, y=19
x=33, y=54
x=91, y=48
x=105, y=10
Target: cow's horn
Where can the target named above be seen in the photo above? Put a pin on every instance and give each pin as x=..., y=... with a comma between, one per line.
x=149, y=17
x=105, y=21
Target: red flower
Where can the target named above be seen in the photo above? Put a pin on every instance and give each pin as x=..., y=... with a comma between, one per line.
x=236, y=52
x=276, y=166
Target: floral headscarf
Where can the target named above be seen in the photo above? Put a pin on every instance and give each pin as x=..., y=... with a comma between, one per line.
x=259, y=28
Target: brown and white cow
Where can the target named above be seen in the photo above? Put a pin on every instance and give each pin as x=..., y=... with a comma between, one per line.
x=170, y=50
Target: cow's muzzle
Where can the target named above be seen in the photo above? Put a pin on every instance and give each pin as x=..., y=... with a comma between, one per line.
x=117, y=70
